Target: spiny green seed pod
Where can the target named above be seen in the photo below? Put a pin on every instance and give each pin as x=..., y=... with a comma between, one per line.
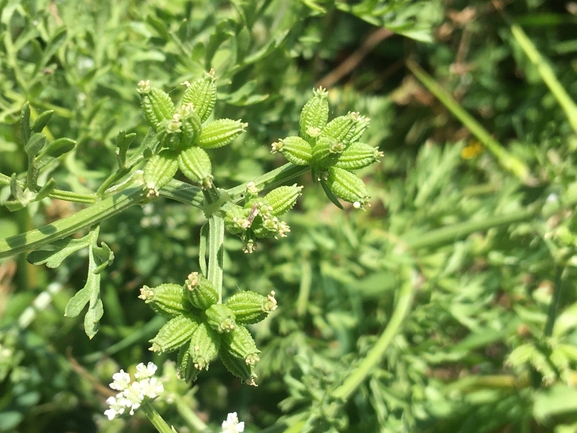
x=156, y=105
x=159, y=170
x=191, y=126
x=220, y=318
x=347, y=186
x=195, y=164
x=341, y=128
x=201, y=94
x=240, y=343
x=174, y=333
x=200, y=291
x=282, y=199
x=314, y=114
x=326, y=152
x=238, y=367
x=204, y=345
x=294, y=149
x=220, y=132
x=358, y=155
x=250, y=307
x=185, y=366
x=361, y=124
x=167, y=299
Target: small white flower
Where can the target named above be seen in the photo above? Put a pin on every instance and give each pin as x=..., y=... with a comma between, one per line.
x=121, y=380
x=151, y=387
x=143, y=371
x=231, y=425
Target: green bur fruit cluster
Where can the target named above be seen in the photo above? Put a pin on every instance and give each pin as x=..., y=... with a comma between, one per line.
x=200, y=328
x=184, y=133
x=332, y=149
x=259, y=217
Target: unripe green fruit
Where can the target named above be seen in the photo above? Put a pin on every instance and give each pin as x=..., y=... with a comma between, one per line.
x=294, y=149
x=240, y=343
x=204, y=345
x=159, y=170
x=342, y=128
x=358, y=155
x=347, y=186
x=361, y=124
x=167, y=299
x=190, y=127
x=220, y=318
x=156, y=105
x=238, y=367
x=326, y=152
x=200, y=291
x=174, y=333
x=220, y=132
x=201, y=94
x=282, y=199
x=195, y=164
x=185, y=366
x=251, y=307
x=314, y=114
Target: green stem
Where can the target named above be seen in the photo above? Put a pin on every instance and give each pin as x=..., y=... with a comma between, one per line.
x=189, y=416
x=58, y=193
x=554, y=305
x=547, y=75
x=448, y=235
x=508, y=161
x=155, y=418
x=99, y=211
x=216, y=252
x=375, y=355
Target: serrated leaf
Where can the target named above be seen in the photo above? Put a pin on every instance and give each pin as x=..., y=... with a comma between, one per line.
x=58, y=251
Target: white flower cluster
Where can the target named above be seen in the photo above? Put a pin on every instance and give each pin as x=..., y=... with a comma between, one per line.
x=133, y=393
x=231, y=425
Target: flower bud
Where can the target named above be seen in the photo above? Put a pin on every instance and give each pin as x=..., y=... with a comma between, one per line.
x=167, y=299
x=159, y=170
x=294, y=149
x=174, y=333
x=204, y=346
x=236, y=218
x=282, y=199
x=220, y=318
x=240, y=343
x=358, y=155
x=156, y=105
x=196, y=166
x=347, y=186
x=201, y=94
x=314, y=114
x=200, y=291
x=251, y=307
x=220, y=132
x=238, y=367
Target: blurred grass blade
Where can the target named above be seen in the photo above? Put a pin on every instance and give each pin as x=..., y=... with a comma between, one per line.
x=508, y=161
x=547, y=74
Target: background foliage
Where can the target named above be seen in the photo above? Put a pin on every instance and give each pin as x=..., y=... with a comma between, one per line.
x=489, y=342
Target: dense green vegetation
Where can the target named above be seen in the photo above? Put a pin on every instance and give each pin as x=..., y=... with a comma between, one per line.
x=445, y=304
